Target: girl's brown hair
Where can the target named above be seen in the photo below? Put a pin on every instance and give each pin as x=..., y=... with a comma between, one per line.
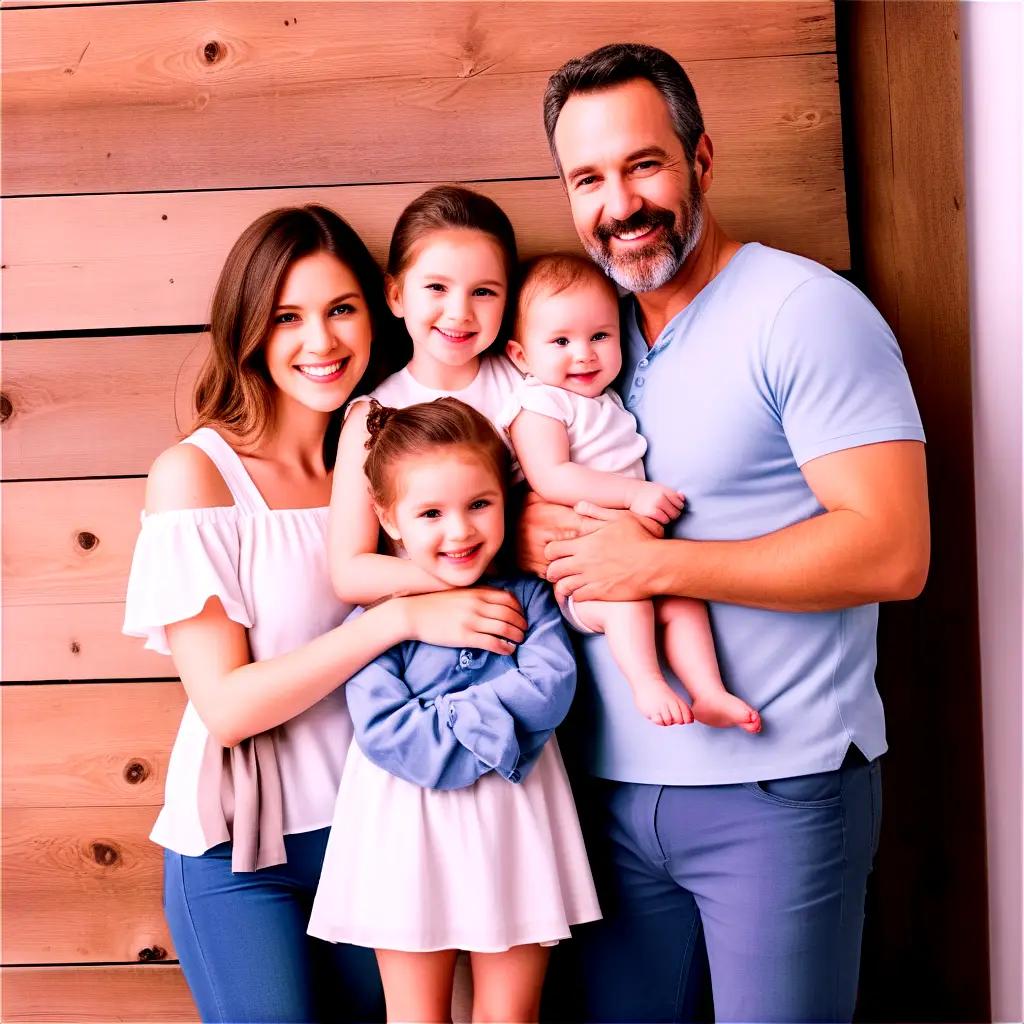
x=234, y=389
x=420, y=429
x=443, y=208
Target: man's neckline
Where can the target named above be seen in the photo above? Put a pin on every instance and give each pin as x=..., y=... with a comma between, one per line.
x=696, y=302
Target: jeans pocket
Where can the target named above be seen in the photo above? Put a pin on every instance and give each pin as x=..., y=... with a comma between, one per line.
x=821, y=789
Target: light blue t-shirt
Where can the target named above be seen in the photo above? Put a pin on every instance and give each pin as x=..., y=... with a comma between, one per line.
x=776, y=362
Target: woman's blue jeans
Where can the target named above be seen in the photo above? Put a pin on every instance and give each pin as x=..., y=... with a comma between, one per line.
x=242, y=941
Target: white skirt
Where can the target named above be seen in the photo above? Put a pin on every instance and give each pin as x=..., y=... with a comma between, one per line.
x=484, y=868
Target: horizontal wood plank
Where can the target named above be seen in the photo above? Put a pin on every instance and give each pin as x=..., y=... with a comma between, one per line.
x=462, y=38
x=150, y=994
x=81, y=884
x=144, y=260
x=65, y=419
x=69, y=542
x=88, y=745
x=88, y=262
x=8, y=5
x=229, y=95
x=74, y=641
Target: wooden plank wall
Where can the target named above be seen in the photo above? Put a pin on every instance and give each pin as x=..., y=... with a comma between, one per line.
x=138, y=139
x=926, y=941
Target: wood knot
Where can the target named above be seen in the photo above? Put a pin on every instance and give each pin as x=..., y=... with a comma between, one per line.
x=86, y=540
x=151, y=953
x=212, y=52
x=105, y=854
x=805, y=119
x=136, y=771
x=6, y=408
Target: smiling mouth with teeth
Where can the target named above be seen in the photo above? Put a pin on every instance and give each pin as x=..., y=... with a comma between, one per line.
x=457, y=336
x=464, y=555
x=325, y=371
x=632, y=236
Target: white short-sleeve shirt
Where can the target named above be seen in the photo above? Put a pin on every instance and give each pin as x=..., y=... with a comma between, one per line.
x=602, y=433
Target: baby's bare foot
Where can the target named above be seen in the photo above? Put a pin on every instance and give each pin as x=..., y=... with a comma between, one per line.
x=723, y=710
x=659, y=703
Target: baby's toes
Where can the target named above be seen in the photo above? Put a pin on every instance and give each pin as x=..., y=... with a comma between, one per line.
x=685, y=714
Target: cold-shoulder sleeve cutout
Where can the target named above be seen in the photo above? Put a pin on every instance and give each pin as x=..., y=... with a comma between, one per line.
x=183, y=558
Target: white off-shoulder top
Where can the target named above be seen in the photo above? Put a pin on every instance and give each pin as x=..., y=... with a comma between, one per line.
x=269, y=569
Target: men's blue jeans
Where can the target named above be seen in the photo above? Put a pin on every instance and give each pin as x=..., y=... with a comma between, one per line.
x=243, y=945
x=769, y=876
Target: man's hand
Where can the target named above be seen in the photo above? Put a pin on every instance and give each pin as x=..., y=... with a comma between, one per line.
x=542, y=522
x=870, y=544
x=611, y=559
x=655, y=501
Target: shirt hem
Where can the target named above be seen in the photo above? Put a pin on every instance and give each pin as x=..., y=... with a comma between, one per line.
x=645, y=776
x=198, y=850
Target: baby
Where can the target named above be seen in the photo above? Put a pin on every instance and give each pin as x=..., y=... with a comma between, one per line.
x=575, y=441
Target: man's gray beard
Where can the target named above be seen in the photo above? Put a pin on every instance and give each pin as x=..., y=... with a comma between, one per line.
x=645, y=271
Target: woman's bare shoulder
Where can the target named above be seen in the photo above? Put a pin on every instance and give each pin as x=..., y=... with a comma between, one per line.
x=182, y=477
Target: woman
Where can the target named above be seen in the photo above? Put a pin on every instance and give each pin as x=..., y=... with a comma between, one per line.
x=230, y=578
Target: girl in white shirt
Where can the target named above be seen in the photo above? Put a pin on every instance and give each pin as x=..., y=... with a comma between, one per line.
x=450, y=266
x=230, y=578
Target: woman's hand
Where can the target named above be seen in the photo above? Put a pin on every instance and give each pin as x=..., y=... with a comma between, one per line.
x=613, y=558
x=482, y=618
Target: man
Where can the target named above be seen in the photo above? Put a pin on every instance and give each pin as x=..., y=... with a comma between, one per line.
x=773, y=394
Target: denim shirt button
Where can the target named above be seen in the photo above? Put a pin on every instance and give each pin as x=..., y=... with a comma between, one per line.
x=644, y=362
x=465, y=659
x=639, y=382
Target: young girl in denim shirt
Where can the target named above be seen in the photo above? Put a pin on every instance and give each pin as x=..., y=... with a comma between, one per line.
x=455, y=826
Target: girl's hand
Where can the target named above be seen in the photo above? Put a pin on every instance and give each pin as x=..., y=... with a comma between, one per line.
x=482, y=618
x=657, y=502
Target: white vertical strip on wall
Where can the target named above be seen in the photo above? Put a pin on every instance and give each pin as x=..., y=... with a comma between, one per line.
x=992, y=40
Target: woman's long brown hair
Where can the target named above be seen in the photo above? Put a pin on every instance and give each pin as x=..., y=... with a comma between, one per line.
x=234, y=389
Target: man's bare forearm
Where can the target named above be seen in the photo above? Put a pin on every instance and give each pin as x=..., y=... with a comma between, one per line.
x=835, y=560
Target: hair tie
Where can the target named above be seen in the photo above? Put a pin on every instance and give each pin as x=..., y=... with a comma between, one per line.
x=376, y=419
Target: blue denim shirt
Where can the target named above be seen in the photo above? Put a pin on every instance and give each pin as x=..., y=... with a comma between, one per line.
x=442, y=717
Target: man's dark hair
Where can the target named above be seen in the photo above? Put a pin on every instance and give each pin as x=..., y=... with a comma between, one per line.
x=626, y=62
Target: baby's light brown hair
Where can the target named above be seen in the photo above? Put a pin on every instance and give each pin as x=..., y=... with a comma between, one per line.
x=552, y=274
